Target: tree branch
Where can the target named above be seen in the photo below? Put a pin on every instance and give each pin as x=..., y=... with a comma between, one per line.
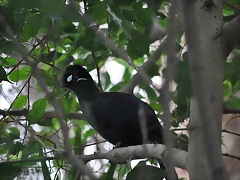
x=230, y=132
x=205, y=61
x=165, y=97
x=145, y=67
x=231, y=156
x=230, y=34
x=237, y=9
x=122, y=155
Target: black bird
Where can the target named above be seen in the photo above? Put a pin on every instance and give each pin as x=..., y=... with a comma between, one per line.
x=114, y=115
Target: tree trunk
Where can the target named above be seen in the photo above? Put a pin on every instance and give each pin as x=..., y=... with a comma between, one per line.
x=203, y=23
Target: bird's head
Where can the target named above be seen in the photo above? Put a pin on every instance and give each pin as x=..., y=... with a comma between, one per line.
x=75, y=76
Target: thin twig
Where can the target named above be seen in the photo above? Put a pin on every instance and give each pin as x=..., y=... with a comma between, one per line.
x=237, y=9
x=230, y=132
x=165, y=97
x=47, y=115
x=231, y=156
x=98, y=71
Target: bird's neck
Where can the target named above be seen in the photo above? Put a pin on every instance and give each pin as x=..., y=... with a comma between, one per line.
x=88, y=93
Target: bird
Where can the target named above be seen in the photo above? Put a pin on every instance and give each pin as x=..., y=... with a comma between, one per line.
x=114, y=115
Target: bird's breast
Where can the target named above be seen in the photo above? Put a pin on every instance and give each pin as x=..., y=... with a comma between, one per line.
x=88, y=114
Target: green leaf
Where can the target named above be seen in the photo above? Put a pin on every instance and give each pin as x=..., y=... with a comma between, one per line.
x=48, y=77
x=8, y=138
x=32, y=26
x=118, y=3
x=118, y=20
x=89, y=133
x=234, y=102
x=11, y=61
x=53, y=9
x=110, y=173
x=6, y=47
x=142, y=14
x=138, y=45
x=19, y=102
x=107, y=80
x=32, y=148
x=38, y=110
x=49, y=57
x=227, y=89
x=45, y=170
x=129, y=15
x=98, y=13
x=145, y=172
x=70, y=14
x=6, y=62
x=9, y=171
x=15, y=131
x=4, y=149
x=46, y=122
x=77, y=140
x=90, y=42
x=182, y=77
x=66, y=107
x=3, y=75
x=21, y=74
x=182, y=142
x=16, y=148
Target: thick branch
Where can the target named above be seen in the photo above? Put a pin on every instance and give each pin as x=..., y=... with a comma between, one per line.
x=231, y=35
x=123, y=155
x=202, y=22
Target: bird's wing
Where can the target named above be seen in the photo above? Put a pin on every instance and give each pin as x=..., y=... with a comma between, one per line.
x=123, y=107
x=119, y=112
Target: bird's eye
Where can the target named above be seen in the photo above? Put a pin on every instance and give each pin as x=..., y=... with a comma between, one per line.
x=69, y=78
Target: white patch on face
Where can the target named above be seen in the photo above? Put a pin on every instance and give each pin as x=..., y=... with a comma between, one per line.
x=81, y=79
x=69, y=78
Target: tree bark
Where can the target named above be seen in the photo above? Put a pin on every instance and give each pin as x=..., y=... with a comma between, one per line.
x=203, y=24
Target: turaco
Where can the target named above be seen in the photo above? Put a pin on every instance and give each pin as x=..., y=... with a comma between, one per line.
x=114, y=115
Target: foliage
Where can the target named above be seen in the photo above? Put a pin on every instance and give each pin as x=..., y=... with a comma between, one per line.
x=54, y=35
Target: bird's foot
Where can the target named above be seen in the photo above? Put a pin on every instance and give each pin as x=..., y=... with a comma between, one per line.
x=118, y=145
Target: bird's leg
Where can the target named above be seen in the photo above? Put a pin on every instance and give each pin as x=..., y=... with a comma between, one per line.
x=118, y=145
x=161, y=164
x=129, y=164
